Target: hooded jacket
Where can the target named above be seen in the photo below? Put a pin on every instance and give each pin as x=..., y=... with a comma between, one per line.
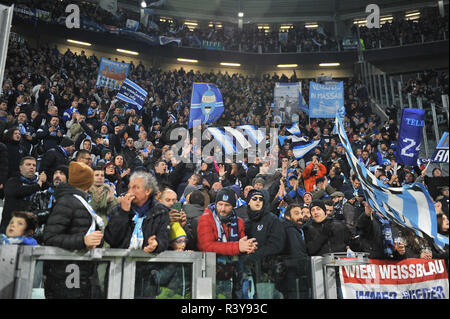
x=267, y=229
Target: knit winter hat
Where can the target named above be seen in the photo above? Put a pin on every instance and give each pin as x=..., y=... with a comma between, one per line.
x=318, y=203
x=176, y=231
x=254, y=192
x=80, y=175
x=64, y=169
x=226, y=195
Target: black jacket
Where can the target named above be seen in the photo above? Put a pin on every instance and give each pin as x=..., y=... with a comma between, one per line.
x=268, y=231
x=18, y=195
x=69, y=220
x=52, y=159
x=193, y=213
x=120, y=226
x=371, y=238
x=329, y=236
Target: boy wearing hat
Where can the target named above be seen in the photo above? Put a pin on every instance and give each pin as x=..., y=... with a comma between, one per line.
x=220, y=230
x=177, y=237
x=72, y=225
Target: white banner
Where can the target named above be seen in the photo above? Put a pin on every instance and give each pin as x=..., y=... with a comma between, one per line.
x=406, y=279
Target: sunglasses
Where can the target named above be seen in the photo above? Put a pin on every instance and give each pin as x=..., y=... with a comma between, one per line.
x=257, y=198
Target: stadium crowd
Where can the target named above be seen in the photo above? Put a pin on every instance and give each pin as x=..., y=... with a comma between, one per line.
x=81, y=170
x=430, y=27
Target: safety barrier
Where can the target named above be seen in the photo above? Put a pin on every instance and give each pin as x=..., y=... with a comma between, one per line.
x=134, y=274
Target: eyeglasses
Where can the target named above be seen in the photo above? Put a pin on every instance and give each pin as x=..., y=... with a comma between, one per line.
x=257, y=198
x=87, y=159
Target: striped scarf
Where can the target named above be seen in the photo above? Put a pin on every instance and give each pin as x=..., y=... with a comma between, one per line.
x=386, y=231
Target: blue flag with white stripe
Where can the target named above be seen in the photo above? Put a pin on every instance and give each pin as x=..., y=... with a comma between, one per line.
x=224, y=139
x=132, y=94
x=257, y=135
x=410, y=136
x=206, y=104
x=410, y=206
x=300, y=150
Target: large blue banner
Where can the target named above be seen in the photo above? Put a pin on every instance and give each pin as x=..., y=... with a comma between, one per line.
x=206, y=104
x=410, y=136
x=111, y=74
x=132, y=94
x=326, y=100
x=441, y=153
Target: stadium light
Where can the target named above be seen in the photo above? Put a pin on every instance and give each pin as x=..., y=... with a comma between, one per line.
x=329, y=64
x=229, y=64
x=311, y=25
x=241, y=14
x=287, y=65
x=127, y=51
x=144, y=4
x=79, y=42
x=187, y=60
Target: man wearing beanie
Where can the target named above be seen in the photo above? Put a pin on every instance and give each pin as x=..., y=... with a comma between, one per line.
x=60, y=155
x=325, y=235
x=220, y=230
x=72, y=225
x=263, y=225
x=43, y=201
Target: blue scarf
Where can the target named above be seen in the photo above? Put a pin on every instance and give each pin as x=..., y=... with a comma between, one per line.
x=231, y=219
x=29, y=181
x=137, y=237
x=20, y=240
x=386, y=231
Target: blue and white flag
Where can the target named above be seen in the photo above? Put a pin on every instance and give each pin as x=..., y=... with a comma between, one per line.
x=410, y=136
x=301, y=150
x=163, y=40
x=325, y=100
x=157, y=4
x=132, y=25
x=223, y=139
x=206, y=104
x=132, y=94
x=109, y=5
x=441, y=153
x=410, y=206
x=294, y=129
x=257, y=135
x=111, y=74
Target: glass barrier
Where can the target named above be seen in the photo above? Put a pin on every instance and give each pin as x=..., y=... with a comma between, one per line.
x=275, y=277
x=163, y=281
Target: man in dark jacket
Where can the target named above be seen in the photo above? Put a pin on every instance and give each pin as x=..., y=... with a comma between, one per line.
x=73, y=225
x=325, y=235
x=377, y=235
x=264, y=226
x=139, y=221
x=60, y=155
x=194, y=208
x=295, y=282
x=20, y=190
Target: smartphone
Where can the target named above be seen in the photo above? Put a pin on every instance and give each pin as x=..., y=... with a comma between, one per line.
x=176, y=206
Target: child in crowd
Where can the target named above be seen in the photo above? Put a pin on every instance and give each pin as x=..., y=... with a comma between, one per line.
x=20, y=229
x=177, y=237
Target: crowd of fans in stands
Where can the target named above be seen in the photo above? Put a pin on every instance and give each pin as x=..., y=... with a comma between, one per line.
x=63, y=136
x=430, y=27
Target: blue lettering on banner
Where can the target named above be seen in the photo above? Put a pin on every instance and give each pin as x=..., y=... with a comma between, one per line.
x=436, y=292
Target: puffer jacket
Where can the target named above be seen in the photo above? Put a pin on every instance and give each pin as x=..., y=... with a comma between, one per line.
x=329, y=236
x=69, y=220
x=121, y=225
x=207, y=235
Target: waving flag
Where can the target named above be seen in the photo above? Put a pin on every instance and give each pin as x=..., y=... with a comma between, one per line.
x=410, y=136
x=300, y=149
x=441, y=153
x=132, y=94
x=257, y=135
x=206, y=104
x=111, y=74
x=410, y=206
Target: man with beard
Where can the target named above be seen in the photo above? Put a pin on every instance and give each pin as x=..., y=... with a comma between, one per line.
x=43, y=201
x=294, y=284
